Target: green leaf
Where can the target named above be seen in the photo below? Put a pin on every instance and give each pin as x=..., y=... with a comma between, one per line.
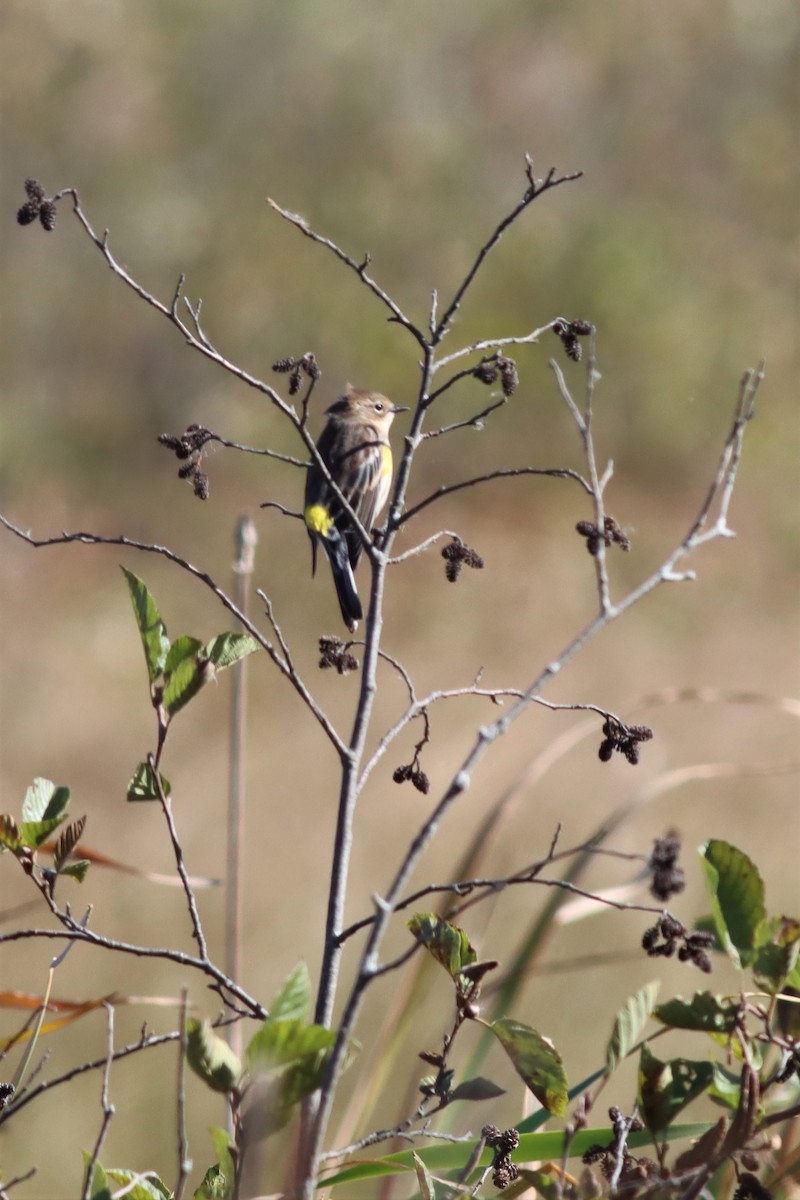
x=218, y=1180
x=293, y=1001
x=149, y=1188
x=211, y=1057
x=143, y=784
x=9, y=833
x=152, y=629
x=777, y=955
x=424, y=1179
x=545, y=1183
x=477, y=1089
x=280, y=1043
x=215, y=1185
x=667, y=1087
x=705, y=1013
x=629, y=1023
x=536, y=1061
x=725, y=1088
x=228, y=648
x=182, y=648
x=289, y=1058
x=448, y=944
x=45, y=802
x=33, y=833
x=76, y=870
x=532, y=1147
x=737, y=898
x=99, y=1188
x=183, y=684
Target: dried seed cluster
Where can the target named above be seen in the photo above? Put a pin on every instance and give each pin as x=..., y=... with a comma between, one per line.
x=751, y=1188
x=296, y=368
x=189, y=446
x=489, y=370
x=504, y=1142
x=413, y=772
x=37, y=205
x=611, y=534
x=631, y=1169
x=691, y=947
x=456, y=556
x=334, y=653
x=668, y=877
x=624, y=739
x=570, y=332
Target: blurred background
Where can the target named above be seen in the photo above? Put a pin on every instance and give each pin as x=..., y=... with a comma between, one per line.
x=399, y=130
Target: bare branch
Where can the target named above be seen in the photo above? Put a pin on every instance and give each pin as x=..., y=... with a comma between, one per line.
x=360, y=268
x=535, y=189
x=509, y=473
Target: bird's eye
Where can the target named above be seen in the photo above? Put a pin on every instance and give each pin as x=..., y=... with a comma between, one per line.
x=378, y=406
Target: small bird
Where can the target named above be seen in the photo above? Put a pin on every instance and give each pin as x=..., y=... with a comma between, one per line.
x=354, y=445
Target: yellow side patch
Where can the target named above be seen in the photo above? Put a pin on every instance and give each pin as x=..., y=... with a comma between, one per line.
x=318, y=519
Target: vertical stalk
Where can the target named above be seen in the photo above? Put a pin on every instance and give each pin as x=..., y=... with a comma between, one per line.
x=245, y=539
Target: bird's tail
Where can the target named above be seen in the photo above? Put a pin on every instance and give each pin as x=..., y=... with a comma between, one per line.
x=344, y=580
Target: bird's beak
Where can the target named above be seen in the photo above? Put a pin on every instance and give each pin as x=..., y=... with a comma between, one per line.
x=396, y=408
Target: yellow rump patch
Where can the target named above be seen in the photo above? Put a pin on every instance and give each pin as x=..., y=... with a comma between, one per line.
x=318, y=519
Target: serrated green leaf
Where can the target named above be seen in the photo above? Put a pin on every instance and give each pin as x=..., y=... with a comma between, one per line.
x=737, y=898
x=424, y=1179
x=705, y=1013
x=182, y=648
x=143, y=784
x=45, y=802
x=536, y=1061
x=629, y=1023
x=183, y=684
x=211, y=1057
x=152, y=629
x=667, y=1087
x=477, y=1089
x=228, y=648
x=448, y=944
x=293, y=1001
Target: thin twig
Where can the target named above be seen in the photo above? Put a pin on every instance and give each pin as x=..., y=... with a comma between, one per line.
x=184, y=1161
x=536, y=188
x=359, y=268
x=508, y=473
x=106, y=1105
x=177, y=850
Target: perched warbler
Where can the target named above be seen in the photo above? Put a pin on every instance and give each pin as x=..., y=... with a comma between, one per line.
x=354, y=445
